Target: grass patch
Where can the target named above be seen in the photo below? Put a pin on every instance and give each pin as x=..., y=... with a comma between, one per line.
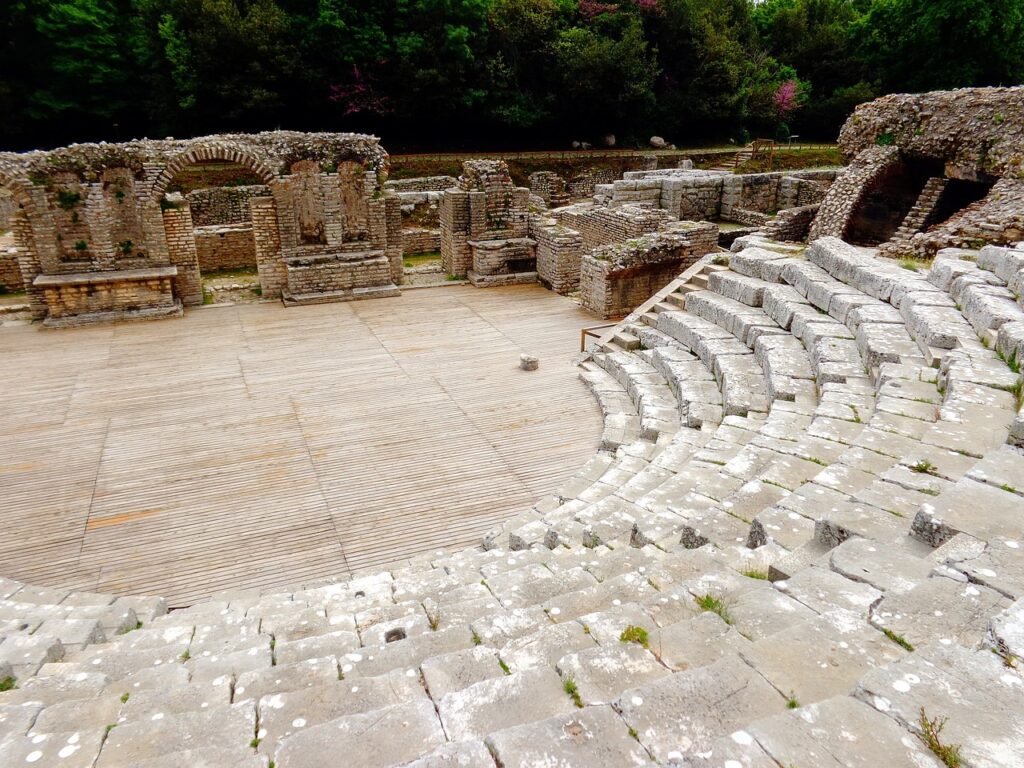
x=792, y=702
x=476, y=638
x=208, y=297
x=633, y=733
x=124, y=697
x=923, y=467
x=754, y=574
x=634, y=634
x=185, y=655
x=793, y=160
x=900, y=640
x=1008, y=488
x=909, y=264
x=419, y=259
x=504, y=667
x=931, y=729
x=569, y=686
x=8, y=684
x=714, y=605
x=254, y=743
x=453, y=277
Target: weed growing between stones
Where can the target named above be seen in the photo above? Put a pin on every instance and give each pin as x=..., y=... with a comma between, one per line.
x=569, y=685
x=714, y=605
x=754, y=574
x=791, y=701
x=634, y=634
x=476, y=638
x=923, y=467
x=900, y=640
x=8, y=684
x=931, y=729
x=504, y=667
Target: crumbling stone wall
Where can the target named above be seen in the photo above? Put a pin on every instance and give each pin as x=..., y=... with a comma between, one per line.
x=966, y=135
x=420, y=240
x=421, y=184
x=790, y=224
x=975, y=132
x=223, y=205
x=10, y=272
x=599, y=225
x=485, y=216
x=699, y=195
x=95, y=209
x=559, y=251
x=229, y=246
x=615, y=279
x=998, y=219
x=848, y=191
x=549, y=187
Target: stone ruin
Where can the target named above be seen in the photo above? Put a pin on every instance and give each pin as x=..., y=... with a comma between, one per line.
x=421, y=211
x=931, y=171
x=97, y=238
x=615, y=279
x=798, y=543
x=485, y=227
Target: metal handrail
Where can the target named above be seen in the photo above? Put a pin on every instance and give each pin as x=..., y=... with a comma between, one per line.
x=591, y=330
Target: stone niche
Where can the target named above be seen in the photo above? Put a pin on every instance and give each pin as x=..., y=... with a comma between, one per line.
x=615, y=279
x=485, y=227
x=97, y=236
x=930, y=171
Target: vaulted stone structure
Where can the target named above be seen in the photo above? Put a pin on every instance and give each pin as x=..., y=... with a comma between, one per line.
x=97, y=236
x=930, y=171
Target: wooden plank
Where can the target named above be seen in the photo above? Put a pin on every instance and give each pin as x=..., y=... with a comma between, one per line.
x=254, y=446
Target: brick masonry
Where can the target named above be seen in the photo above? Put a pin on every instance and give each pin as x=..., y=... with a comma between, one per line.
x=97, y=209
x=615, y=279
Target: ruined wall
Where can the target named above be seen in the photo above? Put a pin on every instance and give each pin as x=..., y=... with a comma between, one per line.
x=486, y=208
x=849, y=189
x=225, y=247
x=223, y=205
x=10, y=272
x=615, y=279
x=998, y=219
x=419, y=240
x=926, y=145
x=92, y=209
x=559, y=251
x=421, y=184
x=599, y=225
x=974, y=132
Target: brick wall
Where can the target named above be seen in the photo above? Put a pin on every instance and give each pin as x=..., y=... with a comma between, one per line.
x=559, y=250
x=324, y=274
x=599, y=225
x=225, y=247
x=420, y=240
x=615, y=279
x=10, y=272
x=181, y=243
x=223, y=205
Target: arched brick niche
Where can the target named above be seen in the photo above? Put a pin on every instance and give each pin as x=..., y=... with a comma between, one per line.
x=102, y=240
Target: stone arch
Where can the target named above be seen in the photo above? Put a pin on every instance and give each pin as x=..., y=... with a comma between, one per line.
x=207, y=152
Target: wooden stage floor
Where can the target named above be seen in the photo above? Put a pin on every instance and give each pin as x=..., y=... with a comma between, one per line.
x=258, y=446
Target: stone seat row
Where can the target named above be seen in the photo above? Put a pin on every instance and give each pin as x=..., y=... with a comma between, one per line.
x=805, y=581
x=503, y=685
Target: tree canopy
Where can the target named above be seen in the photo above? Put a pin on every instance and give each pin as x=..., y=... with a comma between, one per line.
x=484, y=73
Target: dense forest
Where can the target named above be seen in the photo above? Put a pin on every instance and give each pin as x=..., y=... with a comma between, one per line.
x=480, y=74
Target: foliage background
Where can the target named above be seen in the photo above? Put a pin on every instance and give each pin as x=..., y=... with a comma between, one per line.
x=482, y=74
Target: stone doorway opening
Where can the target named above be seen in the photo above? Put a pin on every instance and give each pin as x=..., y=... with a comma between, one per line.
x=214, y=195
x=888, y=201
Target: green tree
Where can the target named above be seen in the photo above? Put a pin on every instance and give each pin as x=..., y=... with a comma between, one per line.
x=931, y=44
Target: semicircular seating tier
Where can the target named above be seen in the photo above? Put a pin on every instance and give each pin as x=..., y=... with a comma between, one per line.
x=799, y=543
